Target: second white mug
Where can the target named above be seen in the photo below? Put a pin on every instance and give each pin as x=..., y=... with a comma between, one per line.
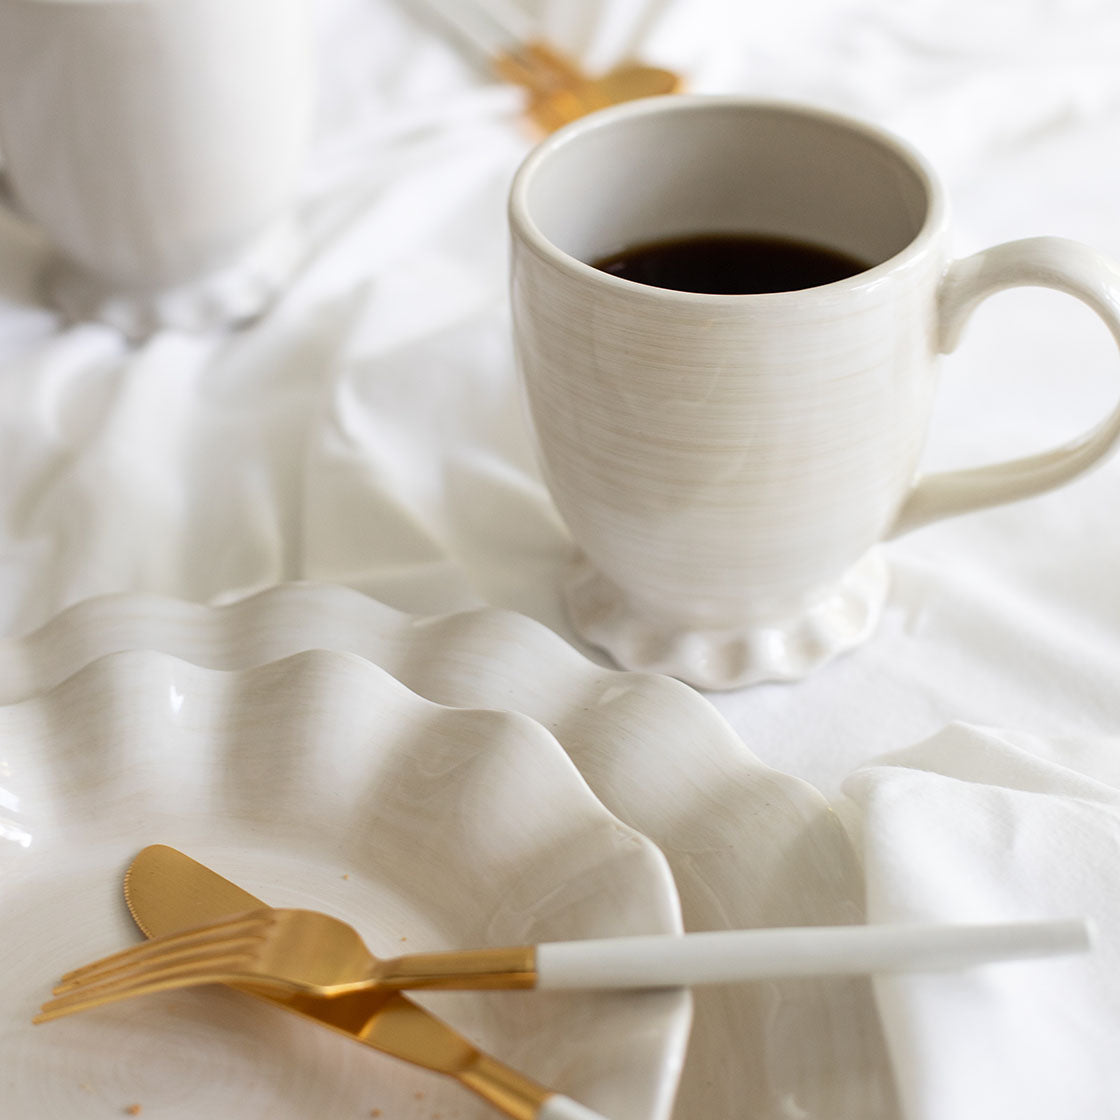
x=157, y=144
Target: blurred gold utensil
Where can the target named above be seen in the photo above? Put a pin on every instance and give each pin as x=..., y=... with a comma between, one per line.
x=559, y=90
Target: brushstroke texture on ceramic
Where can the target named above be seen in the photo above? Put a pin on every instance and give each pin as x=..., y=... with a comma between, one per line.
x=728, y=464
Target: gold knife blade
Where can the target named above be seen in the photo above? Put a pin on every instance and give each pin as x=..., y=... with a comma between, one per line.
x=166, y=891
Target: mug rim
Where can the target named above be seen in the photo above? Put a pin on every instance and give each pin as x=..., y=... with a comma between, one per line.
x=523, y=224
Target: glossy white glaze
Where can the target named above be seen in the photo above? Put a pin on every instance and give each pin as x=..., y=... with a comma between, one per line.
x=728, y=464
x=319, y=781
x=748, y=846
x=157, y=144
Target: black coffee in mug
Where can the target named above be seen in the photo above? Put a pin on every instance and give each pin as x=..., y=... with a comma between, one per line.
x=731, y=264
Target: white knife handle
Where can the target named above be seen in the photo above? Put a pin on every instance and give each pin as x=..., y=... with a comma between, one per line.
x=558, y=1107
x=735, y=955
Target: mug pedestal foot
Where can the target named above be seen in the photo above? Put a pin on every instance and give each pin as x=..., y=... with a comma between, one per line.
x=235, y=292
x=832, y=621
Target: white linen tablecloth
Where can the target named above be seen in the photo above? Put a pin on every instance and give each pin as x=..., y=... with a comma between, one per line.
x=370, y=431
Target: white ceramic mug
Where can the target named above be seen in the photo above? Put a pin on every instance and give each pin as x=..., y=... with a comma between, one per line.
x=728, y=464
x=157, y=144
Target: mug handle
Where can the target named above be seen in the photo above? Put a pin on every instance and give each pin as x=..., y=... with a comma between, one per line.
x=1046, y=262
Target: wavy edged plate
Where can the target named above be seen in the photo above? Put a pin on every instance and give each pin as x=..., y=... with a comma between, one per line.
x=316, y=780
x=748, y=846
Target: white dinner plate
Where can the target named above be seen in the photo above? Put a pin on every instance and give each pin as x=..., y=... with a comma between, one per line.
x=748, y=846
x=320, y=781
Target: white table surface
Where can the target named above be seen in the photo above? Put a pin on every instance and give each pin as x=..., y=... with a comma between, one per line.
x=369, y=430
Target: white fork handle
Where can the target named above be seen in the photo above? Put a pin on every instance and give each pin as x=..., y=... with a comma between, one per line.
x=734, y=955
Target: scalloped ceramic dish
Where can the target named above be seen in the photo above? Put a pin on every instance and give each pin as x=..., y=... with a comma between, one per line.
x=748, y=846
x=317, y=780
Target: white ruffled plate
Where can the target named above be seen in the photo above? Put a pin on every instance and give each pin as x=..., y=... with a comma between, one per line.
x=317, y=780
x=748, y=846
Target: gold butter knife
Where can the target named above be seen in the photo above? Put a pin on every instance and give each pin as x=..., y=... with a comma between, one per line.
x=167, y=891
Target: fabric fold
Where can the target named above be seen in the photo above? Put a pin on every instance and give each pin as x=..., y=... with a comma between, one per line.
x=980, y=824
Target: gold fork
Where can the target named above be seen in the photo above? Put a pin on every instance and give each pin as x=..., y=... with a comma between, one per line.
x=296, y=950
x=316, y=954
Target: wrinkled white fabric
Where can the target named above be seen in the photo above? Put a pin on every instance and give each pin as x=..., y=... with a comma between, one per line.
x=983, y=825
x=369, y=430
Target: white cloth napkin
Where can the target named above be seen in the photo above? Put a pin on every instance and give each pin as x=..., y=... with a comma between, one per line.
x=977, y=824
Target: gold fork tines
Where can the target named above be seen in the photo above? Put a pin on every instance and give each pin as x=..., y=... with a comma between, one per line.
x=286, y=950
x=234, y=938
